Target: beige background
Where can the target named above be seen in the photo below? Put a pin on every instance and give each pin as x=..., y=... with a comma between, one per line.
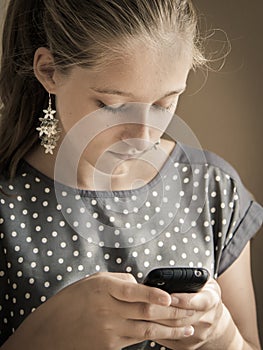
x=226, y=112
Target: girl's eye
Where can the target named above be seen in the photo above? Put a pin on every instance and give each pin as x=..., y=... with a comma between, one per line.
x=119, y=107
x=164, y=109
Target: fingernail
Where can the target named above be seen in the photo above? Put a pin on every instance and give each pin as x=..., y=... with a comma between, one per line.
x=175, y=300
x=188, y=331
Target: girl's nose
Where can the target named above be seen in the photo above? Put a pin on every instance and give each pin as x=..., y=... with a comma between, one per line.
x=138, y=137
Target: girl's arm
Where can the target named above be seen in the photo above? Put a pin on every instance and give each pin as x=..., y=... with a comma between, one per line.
x=238, y=297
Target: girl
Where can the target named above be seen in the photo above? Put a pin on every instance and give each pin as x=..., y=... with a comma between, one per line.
x=92, y=195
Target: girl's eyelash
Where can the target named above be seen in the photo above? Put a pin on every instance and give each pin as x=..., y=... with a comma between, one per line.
x=111, y=109
x=123, y=106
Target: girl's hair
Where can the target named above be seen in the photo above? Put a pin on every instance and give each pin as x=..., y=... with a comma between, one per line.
x=87, y=33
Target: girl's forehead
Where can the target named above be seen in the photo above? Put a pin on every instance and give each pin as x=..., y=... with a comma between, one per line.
x=141, y=72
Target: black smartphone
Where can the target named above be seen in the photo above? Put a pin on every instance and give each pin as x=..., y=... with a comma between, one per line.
x=177, y=279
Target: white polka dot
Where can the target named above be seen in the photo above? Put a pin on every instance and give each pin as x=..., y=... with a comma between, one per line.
x=172, y=262
x=49, y=219
x=112, y=218
x=213, y=194
x=46, y=268
x=148, y=204
x=139, y=274
x=93, y=202
x=222, y=205
x=60, y=260
x=173, y=247
x=49, y=253
x=186, y=180
x=181, y=193
x=184, y=170
x=196, y=250
x=155, y=194
x=69, y=269
x=184, y=256
x=194, y=197
x=80, y=267
x=27, y=295
x=134, y=254
x=135, y=210
x=75, y=224
x=218, y=178
x=59, y=277
x=157, y=209
x=76, y=253
x=146, y=264
x=206, y=224
x=127, y=225
x=35, y=215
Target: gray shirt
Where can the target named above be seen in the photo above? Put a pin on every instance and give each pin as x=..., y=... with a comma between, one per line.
x=195, y=212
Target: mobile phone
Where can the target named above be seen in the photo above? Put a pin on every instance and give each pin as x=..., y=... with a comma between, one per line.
x=177, y=279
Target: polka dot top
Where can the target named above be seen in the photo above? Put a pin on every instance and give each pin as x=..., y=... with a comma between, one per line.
x=195, y=212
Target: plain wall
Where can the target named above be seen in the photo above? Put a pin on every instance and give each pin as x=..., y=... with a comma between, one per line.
x=225, y=110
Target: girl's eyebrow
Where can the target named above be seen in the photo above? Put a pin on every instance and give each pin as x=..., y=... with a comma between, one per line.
x=129, y=94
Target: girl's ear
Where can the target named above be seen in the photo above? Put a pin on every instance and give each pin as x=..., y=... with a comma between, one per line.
x=44, y=69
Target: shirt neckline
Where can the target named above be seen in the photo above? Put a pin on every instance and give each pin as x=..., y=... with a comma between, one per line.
x=26, y=167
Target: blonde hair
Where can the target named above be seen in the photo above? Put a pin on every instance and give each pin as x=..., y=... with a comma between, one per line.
x=86, y=33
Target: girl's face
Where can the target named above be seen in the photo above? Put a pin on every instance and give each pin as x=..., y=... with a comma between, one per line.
x=138, y=87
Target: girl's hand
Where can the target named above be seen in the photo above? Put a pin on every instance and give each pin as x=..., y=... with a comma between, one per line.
x=104, y=311
x=205, y=316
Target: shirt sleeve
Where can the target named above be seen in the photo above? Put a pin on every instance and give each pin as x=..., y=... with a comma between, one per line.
x=5, y=315
x=245, y=217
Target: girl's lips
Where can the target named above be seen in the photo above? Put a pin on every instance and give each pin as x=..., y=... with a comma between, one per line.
x=124, y=156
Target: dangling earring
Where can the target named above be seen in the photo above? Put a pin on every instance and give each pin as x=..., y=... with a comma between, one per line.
x=156, y=144
x=48, y=129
